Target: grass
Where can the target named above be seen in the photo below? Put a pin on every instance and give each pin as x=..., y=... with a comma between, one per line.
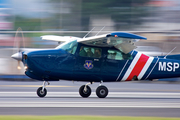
x=81, y=118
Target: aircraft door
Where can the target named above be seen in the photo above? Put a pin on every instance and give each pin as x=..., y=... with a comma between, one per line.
x=88, y=64
x=113, y=64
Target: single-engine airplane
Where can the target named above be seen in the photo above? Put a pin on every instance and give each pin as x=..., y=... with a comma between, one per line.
x=103, y=58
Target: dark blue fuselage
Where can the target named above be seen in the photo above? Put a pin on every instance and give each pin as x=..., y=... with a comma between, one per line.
x=56, y=64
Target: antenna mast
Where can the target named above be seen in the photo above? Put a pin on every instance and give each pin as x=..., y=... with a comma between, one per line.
x=170, y=52
x=100, y=30
x=89, y=32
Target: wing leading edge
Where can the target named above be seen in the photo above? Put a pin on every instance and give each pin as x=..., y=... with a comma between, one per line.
x=59, y=38
x=120, y=40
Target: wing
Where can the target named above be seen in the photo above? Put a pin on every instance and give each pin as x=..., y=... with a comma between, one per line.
x=120, y=40
x=58, y=38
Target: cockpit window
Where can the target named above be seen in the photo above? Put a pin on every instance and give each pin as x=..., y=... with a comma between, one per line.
x=90, y=52
x=70, y=47
x=118, y=55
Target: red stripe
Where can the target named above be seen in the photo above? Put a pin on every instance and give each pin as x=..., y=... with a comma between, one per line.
x=138, y=67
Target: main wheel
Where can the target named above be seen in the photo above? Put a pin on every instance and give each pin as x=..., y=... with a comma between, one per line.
x=85, y=93
x=41, y=93
x=102, y=91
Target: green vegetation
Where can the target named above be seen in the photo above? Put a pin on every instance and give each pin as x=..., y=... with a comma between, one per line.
x=81, y=118
x=27, y=23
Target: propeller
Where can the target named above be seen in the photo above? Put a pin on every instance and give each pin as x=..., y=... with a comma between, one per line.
x=17, y=47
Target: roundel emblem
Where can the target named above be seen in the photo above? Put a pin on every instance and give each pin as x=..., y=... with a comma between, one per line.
x=88, y=64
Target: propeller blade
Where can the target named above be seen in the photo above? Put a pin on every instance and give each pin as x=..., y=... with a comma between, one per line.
x=18, y=43
x=18, y=67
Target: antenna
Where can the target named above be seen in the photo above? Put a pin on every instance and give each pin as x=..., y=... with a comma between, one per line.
x=89, y=32
x=170, y=52
x=100, y=30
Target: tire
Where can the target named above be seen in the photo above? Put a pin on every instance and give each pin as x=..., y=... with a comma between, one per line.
x=41, y=93
x=83, y=93
x=102, y=91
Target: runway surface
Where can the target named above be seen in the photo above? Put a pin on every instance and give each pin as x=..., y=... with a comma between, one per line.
x=124, y=99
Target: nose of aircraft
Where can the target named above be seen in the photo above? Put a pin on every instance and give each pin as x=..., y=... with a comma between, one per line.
x=17, y=56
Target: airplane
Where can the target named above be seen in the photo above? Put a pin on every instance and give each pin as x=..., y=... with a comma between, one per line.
x=102, y=58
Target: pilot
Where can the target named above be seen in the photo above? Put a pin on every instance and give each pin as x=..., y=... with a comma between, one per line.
x=89, y=52
x=113, y=55
x=126, y=56
x=82, y=52
x=97, y=53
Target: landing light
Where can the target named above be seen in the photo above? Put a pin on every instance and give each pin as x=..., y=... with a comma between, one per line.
x=25, y=67
x=18, y=67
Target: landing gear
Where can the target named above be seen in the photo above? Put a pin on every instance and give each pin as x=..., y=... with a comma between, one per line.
x=102, y=91
x=85, y=91
x=41, y=91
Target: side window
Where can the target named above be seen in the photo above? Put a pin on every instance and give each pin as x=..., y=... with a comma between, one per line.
x=90, y=52
x=97, y=52
x=118, y=55
x=82, y=52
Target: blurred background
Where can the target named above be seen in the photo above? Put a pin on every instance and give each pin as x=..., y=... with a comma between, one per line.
x=158, y=20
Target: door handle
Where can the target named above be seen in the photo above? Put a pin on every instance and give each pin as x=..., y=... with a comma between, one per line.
x=96, y=59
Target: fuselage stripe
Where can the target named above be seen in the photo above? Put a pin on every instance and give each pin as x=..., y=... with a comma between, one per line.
x=123, y=68
x=152, y=69
x=148, y=63
x=135, y=60
x=138, y=67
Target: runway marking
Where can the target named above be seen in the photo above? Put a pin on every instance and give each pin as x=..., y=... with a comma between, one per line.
x=126, y=93
x=111, y=94
x=32, y=86
x=121, y=93
x=129, y=89
x=11, y=99
x=92, y=104
x=145, y=90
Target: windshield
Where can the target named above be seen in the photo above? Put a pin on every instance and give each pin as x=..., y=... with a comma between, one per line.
x=70, y=47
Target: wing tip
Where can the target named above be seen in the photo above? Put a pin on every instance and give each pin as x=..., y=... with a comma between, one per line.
x=126, y=35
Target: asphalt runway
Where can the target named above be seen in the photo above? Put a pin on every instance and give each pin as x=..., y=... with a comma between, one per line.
x=124, y=99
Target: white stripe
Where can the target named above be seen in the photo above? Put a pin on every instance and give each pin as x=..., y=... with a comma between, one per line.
x=123, y=68
x=128, y=72
x=152, y=69
x=143, y=71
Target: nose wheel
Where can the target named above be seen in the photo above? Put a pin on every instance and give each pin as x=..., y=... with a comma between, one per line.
x=41, y=91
